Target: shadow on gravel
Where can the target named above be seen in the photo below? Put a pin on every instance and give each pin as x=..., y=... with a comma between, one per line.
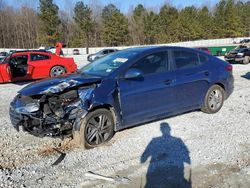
x=247, y=76
x=168, y=155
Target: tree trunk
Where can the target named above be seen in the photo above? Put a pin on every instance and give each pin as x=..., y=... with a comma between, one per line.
x=87, y=44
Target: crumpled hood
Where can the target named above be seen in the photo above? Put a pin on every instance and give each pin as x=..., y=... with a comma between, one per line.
x=58, y=84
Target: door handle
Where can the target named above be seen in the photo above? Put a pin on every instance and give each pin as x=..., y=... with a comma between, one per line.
x=206, y=73
x=168, y=82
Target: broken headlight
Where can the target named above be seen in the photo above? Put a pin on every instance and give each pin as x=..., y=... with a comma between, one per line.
x=28, y=108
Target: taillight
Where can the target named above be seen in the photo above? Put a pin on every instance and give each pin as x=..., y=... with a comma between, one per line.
x=229, y=68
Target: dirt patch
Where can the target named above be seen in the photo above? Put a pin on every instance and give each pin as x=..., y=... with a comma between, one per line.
x=64, y=146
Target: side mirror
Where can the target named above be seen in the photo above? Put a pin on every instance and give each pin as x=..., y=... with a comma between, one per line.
x=133, y=73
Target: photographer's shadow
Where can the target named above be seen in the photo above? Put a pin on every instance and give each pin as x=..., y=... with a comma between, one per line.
x=167, y=157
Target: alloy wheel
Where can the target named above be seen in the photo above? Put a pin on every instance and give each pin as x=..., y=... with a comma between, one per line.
x=57, y=71
x=98, y=129
x=215, y=99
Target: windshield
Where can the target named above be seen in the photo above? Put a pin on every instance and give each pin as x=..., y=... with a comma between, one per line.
x=108, y=64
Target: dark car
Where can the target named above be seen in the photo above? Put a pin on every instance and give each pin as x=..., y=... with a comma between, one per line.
x=243, y=56
x=245, y=41
x=3, y=56
x=100, y=54
x=121, y=90
x=231, y=55
x=76, y=52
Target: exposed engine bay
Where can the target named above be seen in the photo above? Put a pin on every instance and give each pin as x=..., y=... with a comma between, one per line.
x=49, y=114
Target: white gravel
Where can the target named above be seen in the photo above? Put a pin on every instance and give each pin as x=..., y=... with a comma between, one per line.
x=218, y=145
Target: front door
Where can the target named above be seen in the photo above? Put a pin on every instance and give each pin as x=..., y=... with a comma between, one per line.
x=19, y=66
x=151, y=96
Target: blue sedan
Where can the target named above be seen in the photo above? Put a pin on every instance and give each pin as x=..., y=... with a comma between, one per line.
x=121, y=90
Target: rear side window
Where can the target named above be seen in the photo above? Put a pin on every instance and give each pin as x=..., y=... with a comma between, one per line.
x=185, y=59
x=154, y=63
x=203, y=58
x=38, y=57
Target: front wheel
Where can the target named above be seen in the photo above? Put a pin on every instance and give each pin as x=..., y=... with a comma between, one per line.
x=97, y=128
x=214, y=100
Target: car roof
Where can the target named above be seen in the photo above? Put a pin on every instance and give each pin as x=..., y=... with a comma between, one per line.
x=154, y=48
x=32, y=51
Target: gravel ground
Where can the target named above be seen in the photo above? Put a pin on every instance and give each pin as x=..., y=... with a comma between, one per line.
x=206, y=150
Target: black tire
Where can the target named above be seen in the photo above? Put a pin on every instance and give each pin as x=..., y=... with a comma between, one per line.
x=57, y=71
x=246, y=60
x=93, y=133
x=214, y=99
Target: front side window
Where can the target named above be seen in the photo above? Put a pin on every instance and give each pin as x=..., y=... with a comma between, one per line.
x=185, y=59
x=38, y=57
x=19, y=59
x=154, y=63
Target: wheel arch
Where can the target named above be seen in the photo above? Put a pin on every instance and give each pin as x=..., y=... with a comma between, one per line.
x=109, y=107
x=221, y=85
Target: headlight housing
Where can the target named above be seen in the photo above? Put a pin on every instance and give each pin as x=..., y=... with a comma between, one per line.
x=28, y=108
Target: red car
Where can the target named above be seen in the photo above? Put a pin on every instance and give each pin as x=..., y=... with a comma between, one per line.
x=29, y=65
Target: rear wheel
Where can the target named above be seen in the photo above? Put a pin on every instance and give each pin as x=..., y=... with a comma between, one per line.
x=97, y=128
x=214, y=99
x=57, y=71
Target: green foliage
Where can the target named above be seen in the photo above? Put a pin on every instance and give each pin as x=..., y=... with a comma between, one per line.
x=108, y=11
x=48, y=22
x=83, y=19
x=108, y=26
x=151, y=27
x=138, y=24
x=115, y=27
x=168, y=24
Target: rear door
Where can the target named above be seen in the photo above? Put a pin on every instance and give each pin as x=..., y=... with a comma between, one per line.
x=192, y=77
x=39, y=65
x=153, y=95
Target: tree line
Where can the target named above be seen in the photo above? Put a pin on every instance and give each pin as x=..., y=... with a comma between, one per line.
x=91, y=26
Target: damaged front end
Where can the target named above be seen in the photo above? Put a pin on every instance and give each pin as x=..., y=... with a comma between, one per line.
x=50, y=114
